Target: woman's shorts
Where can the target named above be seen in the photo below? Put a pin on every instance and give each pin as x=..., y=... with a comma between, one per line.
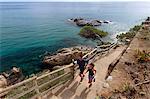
x=91, y=77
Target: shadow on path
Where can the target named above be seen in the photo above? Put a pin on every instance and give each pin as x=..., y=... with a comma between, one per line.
x=68, y=93
x=83, y=94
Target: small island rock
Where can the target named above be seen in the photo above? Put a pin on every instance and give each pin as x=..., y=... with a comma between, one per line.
x=91, y=32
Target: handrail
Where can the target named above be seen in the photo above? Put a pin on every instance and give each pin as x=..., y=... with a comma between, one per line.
x=22, y=94
x=52, y=80
x=67, y=66
x=35, y=80
x=18, y=84
x=90, y=53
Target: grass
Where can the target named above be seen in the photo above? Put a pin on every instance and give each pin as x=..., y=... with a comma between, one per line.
x=126, y=87
x=128, y=90
x=91, y=32
x=142, y=56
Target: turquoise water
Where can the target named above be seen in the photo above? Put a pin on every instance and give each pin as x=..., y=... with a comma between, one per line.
x=28, y=30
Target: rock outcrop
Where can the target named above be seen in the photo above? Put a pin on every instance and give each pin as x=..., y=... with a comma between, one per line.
x=3, y=81
x=3, y=84
x=9, y=78
x=83, y=22
x=64, y=56
x=95, y=22
x=14, y=76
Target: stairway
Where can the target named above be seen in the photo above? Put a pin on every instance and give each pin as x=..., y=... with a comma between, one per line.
x=77, y=90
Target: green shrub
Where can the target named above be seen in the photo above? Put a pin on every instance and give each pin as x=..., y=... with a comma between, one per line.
x=91, y=32
x=129, y=35
x=135, y=28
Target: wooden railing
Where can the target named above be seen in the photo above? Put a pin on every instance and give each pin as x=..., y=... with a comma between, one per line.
x=38, y=86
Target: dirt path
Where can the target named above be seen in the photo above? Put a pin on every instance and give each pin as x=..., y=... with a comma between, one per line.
x=78, y=90
x=129, y=71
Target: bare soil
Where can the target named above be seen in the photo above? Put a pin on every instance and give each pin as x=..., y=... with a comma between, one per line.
x=131, y=77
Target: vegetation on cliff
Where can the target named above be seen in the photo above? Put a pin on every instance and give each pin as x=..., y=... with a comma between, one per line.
x=91, y=32
x=142, y=56
x=130, y=34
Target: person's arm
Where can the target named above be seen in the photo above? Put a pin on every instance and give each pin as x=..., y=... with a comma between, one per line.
x=74, y=61
x=85, y=71
x=86, y=61
x=94, y=70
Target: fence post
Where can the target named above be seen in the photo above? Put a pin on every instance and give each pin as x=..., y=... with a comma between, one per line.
x=37, y=89
x=72, y=70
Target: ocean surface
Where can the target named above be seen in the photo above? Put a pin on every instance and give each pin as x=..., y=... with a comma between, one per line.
x=28, y=30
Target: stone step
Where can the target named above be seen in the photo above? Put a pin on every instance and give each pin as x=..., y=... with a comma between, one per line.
x=53, y=97
x=60, y=88
x=76, y=97
x=66, y=94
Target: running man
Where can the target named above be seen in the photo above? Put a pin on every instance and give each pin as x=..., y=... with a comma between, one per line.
x=82, y=65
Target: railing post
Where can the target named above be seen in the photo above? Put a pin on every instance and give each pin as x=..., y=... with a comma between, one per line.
x=37, y=89
x=73, y=70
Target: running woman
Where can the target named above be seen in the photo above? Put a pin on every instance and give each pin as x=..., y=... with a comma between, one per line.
x=91, y=76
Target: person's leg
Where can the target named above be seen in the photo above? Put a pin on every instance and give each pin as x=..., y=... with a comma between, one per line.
x=90, y=81
x=81, y=72
x=81, y=75
x=93, y=78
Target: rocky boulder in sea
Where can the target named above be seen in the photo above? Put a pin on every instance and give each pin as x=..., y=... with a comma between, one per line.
x=83, y=22
x=65, y=56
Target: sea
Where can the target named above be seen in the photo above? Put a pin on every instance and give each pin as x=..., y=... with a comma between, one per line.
x=28, y=30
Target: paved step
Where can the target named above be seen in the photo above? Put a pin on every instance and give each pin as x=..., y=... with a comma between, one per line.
x=77, y=90
x=66, y=94
x=49, y=96
x=56, y=91
x=101, y=65
x=54, y=97
x=60, y=88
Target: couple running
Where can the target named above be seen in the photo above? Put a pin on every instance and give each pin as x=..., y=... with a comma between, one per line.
x=84, y=68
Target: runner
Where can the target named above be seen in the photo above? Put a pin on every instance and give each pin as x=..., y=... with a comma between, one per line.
x=92, y=72
x=82, y=64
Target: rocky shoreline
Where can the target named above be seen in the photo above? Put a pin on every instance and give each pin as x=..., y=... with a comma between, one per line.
x=11, y=77
x=65, y=56
x=62, y=57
